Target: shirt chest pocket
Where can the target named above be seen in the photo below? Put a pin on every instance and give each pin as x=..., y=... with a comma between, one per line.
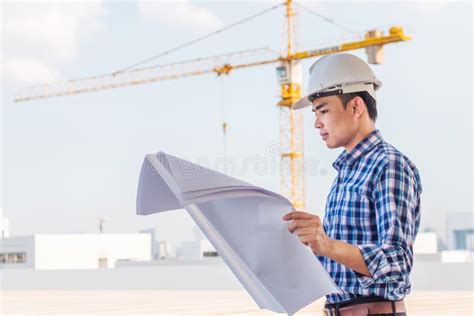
x=356, y=204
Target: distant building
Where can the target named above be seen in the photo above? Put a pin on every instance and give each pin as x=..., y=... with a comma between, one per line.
x=163, y=250
x=73, y=251
x=460, y=229
x=190, y=250
x=151, y=232
x=4, y=227
x=199, y=249
x=159, y=249
x=426, y=243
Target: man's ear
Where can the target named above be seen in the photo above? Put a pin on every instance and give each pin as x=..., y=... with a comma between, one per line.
x=358, y=106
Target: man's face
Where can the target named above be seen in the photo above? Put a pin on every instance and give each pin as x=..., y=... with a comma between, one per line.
x=337, y=126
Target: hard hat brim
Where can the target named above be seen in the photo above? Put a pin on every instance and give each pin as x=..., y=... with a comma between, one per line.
x=340, y=89
x=301, y=103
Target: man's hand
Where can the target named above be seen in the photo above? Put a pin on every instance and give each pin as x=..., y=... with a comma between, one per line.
x=310, y=231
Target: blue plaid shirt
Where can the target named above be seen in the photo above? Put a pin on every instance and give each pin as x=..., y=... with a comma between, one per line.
x=374, y=204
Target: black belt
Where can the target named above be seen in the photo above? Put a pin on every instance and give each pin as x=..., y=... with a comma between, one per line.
x=356, y=300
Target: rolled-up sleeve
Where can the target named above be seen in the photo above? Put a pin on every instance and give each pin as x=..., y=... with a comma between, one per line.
x=396, y=199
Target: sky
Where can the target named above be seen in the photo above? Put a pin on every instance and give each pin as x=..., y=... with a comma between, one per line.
x=68, y=161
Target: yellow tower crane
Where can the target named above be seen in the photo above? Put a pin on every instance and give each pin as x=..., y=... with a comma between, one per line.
x=289, y=73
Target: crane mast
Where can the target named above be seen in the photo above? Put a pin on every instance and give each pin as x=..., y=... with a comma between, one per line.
x=291, y=122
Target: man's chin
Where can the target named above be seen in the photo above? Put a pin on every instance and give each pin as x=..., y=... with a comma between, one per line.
x=331, y=146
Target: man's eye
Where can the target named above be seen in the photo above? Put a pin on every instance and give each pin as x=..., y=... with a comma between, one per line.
x=324, y=111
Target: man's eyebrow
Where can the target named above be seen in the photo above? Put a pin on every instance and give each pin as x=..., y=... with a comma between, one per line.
x=319, y=107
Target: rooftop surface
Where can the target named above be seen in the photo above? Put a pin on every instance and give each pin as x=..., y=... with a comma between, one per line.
x=186, y=302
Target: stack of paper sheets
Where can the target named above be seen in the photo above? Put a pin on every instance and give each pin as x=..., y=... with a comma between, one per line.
x=244, y=224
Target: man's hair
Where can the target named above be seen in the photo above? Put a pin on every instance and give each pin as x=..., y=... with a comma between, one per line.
x=368, y=100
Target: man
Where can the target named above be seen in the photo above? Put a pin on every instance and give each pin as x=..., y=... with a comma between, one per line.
x=373, y=209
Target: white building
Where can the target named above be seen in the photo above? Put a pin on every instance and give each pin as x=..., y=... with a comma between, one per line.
x=426, y=243
x=4, y=227
x=73, y=251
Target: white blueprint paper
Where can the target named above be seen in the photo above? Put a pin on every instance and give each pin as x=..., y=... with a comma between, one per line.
x=244, y=224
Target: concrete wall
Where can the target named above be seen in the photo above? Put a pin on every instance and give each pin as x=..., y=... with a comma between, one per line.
x=215, y=275
x=437, y=276
x=199, y=277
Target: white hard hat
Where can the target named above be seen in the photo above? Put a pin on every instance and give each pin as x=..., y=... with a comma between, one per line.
x=338, y=74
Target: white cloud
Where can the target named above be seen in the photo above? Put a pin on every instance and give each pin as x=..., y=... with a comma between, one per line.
x=43, y=35
x=183, y=14
x=430, y=8
x=29, y=71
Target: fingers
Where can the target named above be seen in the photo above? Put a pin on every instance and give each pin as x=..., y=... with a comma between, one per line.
x=318, y=220
x=299, y=224
x=312, y=240
x=309, y=230
x=314, y=221
x=306, y=231
x=297, y=215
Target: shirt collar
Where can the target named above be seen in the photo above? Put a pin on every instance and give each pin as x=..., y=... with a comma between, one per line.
x=362, y=147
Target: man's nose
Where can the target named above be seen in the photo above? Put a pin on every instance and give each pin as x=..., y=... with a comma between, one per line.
x=317, y=122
